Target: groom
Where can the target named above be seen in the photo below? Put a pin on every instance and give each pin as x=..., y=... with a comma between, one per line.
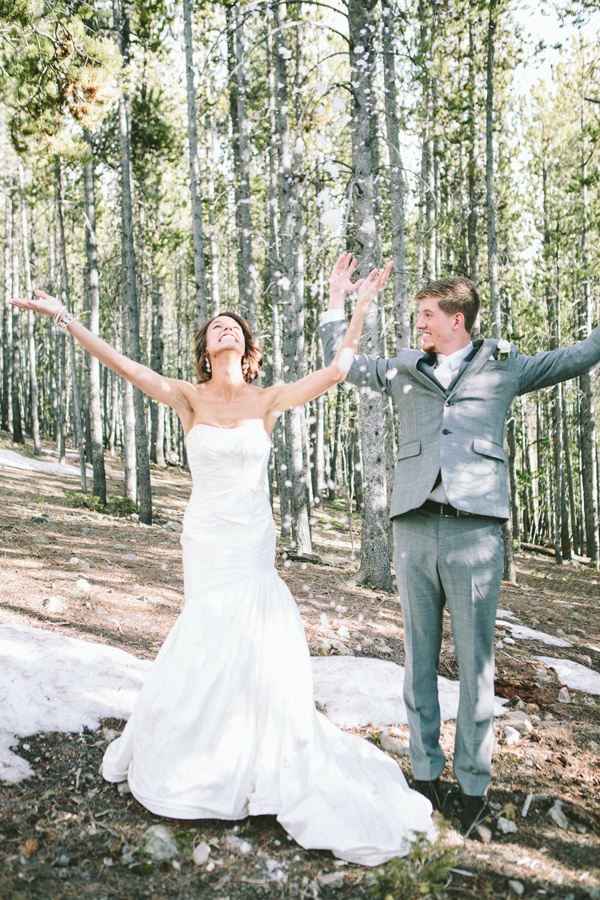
x=450, y=498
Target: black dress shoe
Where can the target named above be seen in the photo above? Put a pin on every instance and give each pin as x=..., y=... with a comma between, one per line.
x=476, y=820
x=435, y=792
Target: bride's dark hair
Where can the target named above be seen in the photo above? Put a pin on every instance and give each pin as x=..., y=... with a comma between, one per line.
x=251, y=360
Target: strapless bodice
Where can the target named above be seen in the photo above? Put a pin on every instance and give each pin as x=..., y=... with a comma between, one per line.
x=229, y=467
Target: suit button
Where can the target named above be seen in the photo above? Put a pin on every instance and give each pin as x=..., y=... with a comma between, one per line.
x=446, y=431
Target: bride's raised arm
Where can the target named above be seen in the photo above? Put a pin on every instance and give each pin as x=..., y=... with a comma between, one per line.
x=286, y=396
x=170, y=391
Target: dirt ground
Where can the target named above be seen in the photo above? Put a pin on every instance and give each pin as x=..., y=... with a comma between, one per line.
x=64, y=833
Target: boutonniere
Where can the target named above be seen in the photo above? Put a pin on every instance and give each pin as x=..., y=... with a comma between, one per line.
x=503, y=350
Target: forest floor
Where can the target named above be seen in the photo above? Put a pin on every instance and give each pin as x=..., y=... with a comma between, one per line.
x=65, y=833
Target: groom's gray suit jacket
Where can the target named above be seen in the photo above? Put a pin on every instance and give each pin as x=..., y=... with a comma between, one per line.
x=459, y=431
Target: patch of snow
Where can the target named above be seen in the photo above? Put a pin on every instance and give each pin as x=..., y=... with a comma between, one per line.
x=524, y=634
x=574, y=675
x=50, y=682
x=505, y=614
x=14, y=460
x=361, y=691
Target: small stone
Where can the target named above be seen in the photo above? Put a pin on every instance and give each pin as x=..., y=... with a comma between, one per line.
x=517, y=887
x=511, y=736
x=129, y=557
x=391, y=744
x=54, y=605
x=123, y=788
x=210, y=866
x=519, y=721
x=174, y=526
x=331, y=879
x=201, y=853
x=74, y=561
x=564, y=696
x=506, y=826
x=127, y=856
x=593, y=746
x=83, y=585
x=236, y=843
x=557, y=815
x=275, y=871
x=160, y=843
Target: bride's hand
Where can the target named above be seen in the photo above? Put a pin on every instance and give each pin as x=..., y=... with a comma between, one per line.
x=42, y=303
x=370, y=286
x=340, y=280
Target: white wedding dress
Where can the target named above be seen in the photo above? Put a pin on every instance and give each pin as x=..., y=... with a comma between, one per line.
x=225, y=725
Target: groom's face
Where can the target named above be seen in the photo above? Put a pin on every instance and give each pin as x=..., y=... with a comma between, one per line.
x=438, y=328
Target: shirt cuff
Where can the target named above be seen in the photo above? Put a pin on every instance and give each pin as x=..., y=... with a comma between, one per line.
x=332, y=315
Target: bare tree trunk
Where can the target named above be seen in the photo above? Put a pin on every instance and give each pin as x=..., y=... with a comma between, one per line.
x=157, y=412
x=472, y=221
x=588, y=423
x=93, y=293
x=7, y=330
x=375, y=560
x=246, y=271
x=293, y=313
x=68, y=338
x=17, y=419
x=128, y=288
x=35, y=422
x=509, y=573
x=402, y=313
x=195, y=184
x=489, y=177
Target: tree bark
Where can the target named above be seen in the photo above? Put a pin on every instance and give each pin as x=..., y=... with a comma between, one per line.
x=293, y=313
x=17, y=418
x=402, y=312
x=7, y=318
x=93, y=296
x=157, y=412
x=195, y=183
x=128, y=287
x=489, y=177
x=34, y=398
x=68, y=338
x=375, y=561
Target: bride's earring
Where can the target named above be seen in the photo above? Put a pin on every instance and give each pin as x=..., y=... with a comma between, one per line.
x=207, y=363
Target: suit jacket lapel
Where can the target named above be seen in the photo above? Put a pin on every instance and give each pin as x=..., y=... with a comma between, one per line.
x=472, y=364
x=423, y=371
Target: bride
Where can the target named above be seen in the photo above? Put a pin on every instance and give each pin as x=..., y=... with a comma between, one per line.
x=225, y=725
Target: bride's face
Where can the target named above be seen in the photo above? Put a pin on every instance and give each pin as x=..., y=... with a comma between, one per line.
x=224, y=334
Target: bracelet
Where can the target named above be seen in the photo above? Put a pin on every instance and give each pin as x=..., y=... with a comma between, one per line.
x=62, y=319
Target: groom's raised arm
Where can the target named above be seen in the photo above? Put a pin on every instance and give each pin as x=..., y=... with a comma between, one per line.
x=375, y=372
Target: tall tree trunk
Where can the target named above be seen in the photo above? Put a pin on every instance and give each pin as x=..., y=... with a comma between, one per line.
x=586, y=384
x=375, y=560
x=128, y=287
x=509, y=573
x=402, y=313
x=157, y=411
x=492, y=243
x=68, y=338
x=293, y=313
x=34, y=400
x=472, y=221
x=93, y=296
x=195, y=184
x=17, y=420
x=7, y=323
x=246, y=270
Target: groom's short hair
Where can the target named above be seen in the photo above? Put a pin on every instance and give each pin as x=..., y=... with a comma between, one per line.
x=454, y=294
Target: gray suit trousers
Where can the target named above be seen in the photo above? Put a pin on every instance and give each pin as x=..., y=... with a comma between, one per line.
x=443, y=561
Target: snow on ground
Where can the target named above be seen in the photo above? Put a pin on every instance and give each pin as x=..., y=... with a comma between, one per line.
x=51, y=682
x=505, y=614
x=358, y=692
x=574, y=675
x=15, y=461
x=524, y=633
